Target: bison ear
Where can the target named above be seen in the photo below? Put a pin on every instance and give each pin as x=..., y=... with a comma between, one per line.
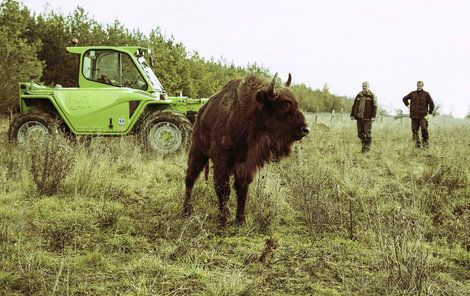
x=289, y=80
x=262, y=97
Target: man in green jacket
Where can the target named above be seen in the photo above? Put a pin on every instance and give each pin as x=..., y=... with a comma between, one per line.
x=364, y=111
x=421, y=104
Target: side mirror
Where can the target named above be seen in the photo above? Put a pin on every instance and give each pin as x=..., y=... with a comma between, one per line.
x=163, y=96
x=31, y=80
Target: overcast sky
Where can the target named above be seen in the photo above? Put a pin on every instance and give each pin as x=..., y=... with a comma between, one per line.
x=391, y=44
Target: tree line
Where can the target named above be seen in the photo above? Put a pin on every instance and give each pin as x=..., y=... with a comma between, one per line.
x=34, y=44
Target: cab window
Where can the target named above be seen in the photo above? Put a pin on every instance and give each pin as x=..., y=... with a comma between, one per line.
x=112, y=68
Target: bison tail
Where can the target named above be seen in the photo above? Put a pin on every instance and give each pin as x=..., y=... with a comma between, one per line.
x=206, y=171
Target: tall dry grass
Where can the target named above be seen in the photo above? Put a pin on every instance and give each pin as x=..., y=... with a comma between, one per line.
x=102, y=217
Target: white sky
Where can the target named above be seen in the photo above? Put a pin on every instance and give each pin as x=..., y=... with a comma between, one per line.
x=392, y=44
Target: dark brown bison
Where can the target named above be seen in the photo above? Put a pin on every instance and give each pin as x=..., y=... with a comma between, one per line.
x=245, y=125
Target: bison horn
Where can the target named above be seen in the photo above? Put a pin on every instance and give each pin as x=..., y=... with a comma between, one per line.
x=271, y=86
x=289, y=80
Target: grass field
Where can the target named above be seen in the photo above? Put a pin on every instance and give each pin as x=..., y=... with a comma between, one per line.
x=102, y=218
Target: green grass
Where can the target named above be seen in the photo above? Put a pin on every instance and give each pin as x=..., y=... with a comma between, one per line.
x=395, y=221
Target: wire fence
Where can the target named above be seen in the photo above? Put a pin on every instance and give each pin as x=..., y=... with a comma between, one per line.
x=333, y=120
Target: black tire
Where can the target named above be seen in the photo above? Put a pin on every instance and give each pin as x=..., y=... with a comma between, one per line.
x=36, y=122
x=166, y=132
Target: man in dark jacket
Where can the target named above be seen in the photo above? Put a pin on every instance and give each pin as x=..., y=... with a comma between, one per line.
x=364, y=111
x=421, y=104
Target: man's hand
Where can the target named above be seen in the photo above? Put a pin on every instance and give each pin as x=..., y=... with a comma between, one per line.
x=373, y=119
x=352, y=117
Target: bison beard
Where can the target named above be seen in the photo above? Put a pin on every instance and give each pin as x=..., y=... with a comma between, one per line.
x=242, y=127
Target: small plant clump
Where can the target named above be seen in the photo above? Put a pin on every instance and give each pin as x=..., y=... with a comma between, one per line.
x=51, y=160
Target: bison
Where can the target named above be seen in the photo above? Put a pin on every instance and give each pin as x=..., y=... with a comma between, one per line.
x=248, y=123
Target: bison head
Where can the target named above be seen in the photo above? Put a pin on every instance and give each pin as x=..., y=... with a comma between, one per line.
x=280, y=112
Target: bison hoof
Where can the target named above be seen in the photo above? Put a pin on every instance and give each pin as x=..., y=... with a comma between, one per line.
x=187, y=210
x=223, y=217
x=240, y=221
x=222, y=221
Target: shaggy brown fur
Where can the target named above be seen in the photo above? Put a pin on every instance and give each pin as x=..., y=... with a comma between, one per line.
x=245, y=125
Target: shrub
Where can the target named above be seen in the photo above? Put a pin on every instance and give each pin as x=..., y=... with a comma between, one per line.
x=266, y=203
x=51, y=162
x=405, y=257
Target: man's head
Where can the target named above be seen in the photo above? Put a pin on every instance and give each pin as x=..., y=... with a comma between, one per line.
x=365, y=86
x=420, y=85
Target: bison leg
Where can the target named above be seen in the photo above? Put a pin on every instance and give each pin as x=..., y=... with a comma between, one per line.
x=222, y=188
x=196, y=163
x=241, y=187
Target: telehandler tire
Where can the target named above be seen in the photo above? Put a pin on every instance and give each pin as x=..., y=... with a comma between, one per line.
x=37, y=124
x=166, y=132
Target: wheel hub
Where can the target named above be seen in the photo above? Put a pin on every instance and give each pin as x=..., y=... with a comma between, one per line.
x=32, y=130
x=165, y=137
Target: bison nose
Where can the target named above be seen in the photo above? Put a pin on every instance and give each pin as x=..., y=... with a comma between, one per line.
x=305, y=130
x=301, y=133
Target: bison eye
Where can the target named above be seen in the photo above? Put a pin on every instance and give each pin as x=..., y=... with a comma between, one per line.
x=285, y=106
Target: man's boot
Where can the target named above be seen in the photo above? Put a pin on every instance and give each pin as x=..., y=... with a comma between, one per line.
x=425, y=137
x=362, y=137
x=416, y=139
x=364, y=147
x=368, y=142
